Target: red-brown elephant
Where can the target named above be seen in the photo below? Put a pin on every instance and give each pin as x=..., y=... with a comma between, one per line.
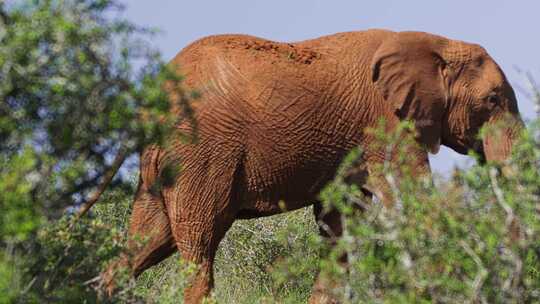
x=276, y=119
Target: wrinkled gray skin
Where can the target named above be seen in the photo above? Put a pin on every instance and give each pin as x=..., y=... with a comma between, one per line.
x=276, y=119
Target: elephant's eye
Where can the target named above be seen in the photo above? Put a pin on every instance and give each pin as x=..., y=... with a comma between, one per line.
x=493, y=99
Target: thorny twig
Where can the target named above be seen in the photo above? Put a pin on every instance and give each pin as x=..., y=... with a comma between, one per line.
x=390, y=177
x=482, y=272
x=500, y=197
x=533, y=86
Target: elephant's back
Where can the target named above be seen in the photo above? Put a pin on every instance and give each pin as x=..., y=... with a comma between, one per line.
x=256, y=62
x=248, y=59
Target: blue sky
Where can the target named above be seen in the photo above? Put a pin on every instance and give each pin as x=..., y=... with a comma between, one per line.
x=507, y=29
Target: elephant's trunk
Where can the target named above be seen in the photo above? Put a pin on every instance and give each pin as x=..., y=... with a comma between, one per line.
x=501, y=135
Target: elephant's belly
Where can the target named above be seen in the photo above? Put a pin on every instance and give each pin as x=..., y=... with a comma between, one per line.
x=287, y=188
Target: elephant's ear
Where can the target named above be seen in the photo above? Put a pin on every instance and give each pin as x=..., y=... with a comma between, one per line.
x=411, y=75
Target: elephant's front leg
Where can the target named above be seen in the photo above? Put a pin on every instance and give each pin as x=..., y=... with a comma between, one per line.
x=330, y=224
x=387, y=172
x=331, y=229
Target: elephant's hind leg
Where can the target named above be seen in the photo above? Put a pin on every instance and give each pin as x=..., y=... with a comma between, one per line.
x=203, y=206
x=150, y=234
x=150, y=239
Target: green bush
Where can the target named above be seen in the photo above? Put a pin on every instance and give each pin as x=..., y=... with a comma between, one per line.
x=73, y=252
x=474, y=238
x=77, y=86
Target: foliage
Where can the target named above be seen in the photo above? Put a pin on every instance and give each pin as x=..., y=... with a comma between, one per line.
x=64, y=262
x=76, y=88
x=474, y=238
x=72, y=254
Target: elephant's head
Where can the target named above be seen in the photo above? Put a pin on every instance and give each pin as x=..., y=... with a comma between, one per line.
x=451, y=89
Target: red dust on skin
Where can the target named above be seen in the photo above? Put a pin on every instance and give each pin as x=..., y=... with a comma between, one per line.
x=275, y=120
x=299, y=55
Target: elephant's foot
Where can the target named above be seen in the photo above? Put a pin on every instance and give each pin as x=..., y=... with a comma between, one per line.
x=197, y=291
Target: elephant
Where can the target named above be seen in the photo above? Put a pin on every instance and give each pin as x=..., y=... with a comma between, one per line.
x=275, y=120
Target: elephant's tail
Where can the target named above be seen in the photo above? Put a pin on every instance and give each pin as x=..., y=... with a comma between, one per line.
x=150, y=166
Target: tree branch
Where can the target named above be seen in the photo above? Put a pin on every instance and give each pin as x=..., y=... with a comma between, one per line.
x=109, y=175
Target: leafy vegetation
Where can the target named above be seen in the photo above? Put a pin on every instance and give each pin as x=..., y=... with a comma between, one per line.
x=472, y=239
x=72, y=98
x=76, y=88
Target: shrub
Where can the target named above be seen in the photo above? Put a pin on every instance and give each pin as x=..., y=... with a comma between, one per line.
x=474, y=238
x=77, y=86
